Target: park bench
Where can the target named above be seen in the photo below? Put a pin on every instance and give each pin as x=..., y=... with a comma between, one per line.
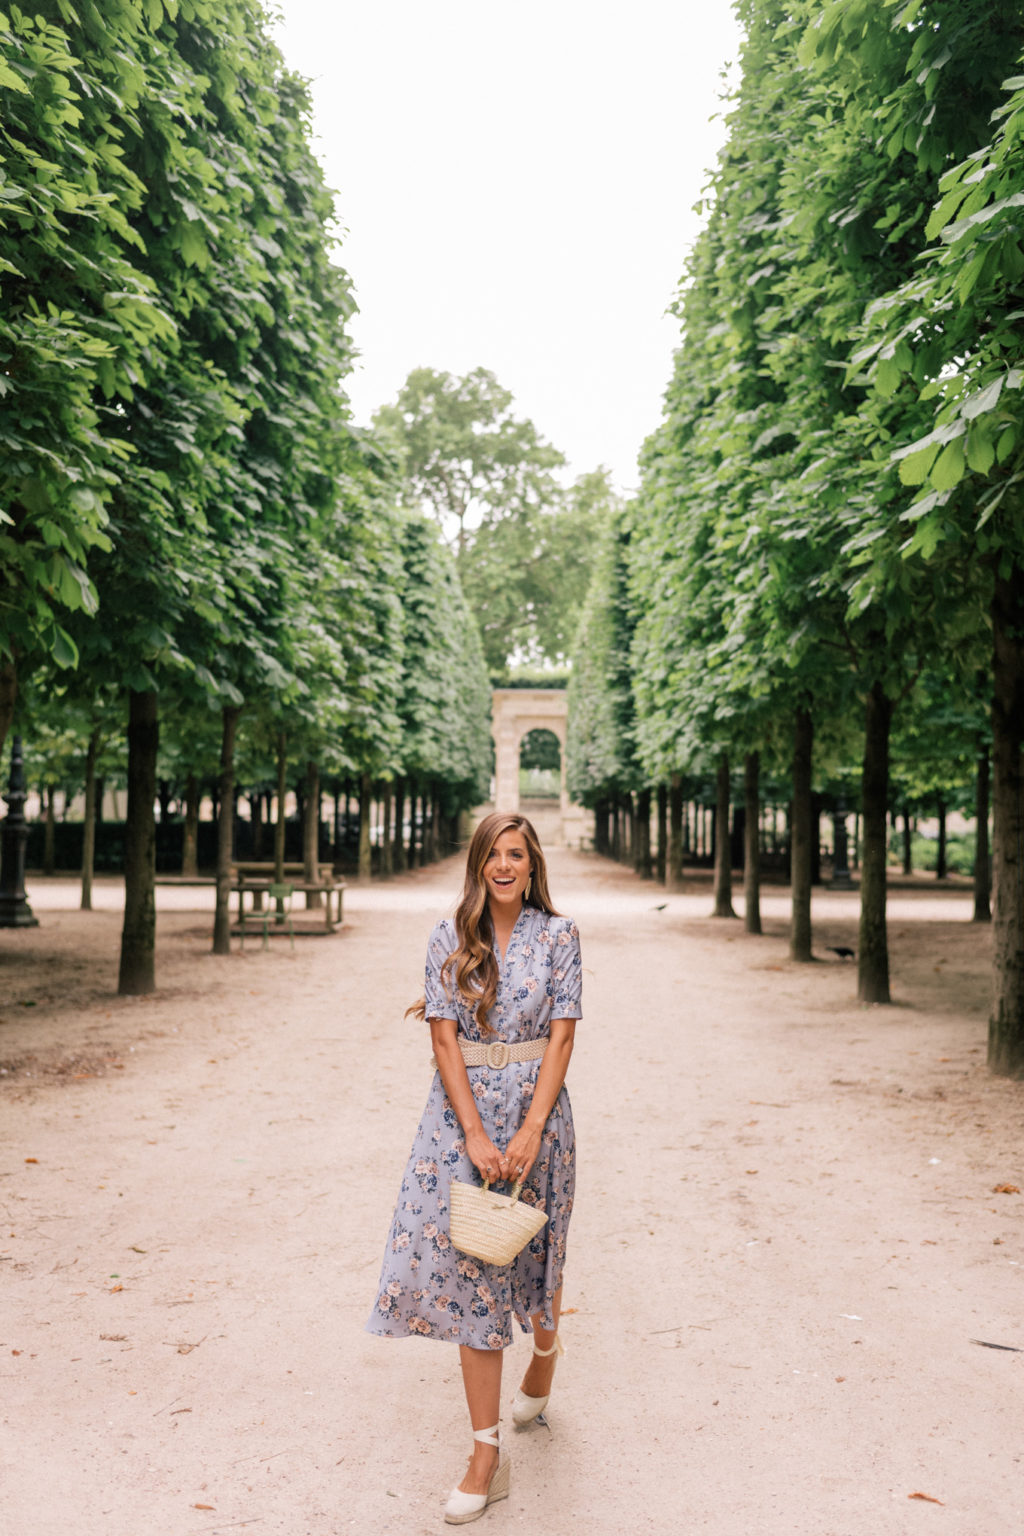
x=255, y=880
x=255, y=870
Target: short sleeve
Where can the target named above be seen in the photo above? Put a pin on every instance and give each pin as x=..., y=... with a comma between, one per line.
x=440, y=1001
x=567, y=974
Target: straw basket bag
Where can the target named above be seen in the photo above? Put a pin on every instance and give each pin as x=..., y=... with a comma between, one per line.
x=490, y=1226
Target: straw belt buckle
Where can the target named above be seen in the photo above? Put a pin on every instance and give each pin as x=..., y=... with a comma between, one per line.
x=498, y=1054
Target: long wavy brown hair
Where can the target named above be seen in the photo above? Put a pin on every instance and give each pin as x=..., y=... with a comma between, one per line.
x=471, y=967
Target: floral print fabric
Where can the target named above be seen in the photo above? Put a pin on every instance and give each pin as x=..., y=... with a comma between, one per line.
x=427, y=1287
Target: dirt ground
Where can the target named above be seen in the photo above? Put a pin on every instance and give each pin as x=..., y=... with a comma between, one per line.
x=796, y=1218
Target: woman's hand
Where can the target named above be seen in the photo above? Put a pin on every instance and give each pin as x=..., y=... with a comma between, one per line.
x=521, y=1153
x=524, y=1148
x=484, y=1155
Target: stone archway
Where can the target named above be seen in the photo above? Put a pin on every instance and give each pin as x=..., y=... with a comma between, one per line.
x=515, y=712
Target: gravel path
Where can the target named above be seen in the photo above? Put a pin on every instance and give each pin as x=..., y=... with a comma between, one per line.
x=787, y=1232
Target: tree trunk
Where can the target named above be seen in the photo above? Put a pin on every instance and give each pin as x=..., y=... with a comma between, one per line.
x=8, y=696
x=800, y=832
x=225, y=831
x=674, y=860
x=1006, y=1025
x=662, y=866
x=365, y=803
x=908, y=845
x=420, y=804
x=257, y=824
x=398, y=854
x=982, y=857
x=190, y=832
x=311, y=834
x=138, y=933
x=50, y=830
x=282, y=792
x=873, y=952
x=601, y=838
x=428, y=841
x=752, y=842
x=437, y=843
x=642, y=836
x=815, y=839
x=723, y=864
x=941, y=863
x=387, y=858
x=89, y=829
x=410, y=842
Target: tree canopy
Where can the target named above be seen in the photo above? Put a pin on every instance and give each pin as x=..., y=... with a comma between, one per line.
x=522, y=541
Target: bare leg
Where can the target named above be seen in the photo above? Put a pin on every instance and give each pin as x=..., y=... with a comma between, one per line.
x=481, y=1378
x=537, y=1381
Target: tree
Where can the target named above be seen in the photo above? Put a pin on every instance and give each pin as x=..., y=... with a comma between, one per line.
x=76, y=312
x=602, y=768
x=521, y=543
x=444, y=697
x=948, y=339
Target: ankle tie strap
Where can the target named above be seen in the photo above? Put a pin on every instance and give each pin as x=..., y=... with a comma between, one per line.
x=487, y=1436
x=557, y=1345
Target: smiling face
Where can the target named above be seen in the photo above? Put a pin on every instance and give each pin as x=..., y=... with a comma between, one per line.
x=506, y=871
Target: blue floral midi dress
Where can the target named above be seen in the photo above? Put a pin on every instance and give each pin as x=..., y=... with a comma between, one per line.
x=426, y=1286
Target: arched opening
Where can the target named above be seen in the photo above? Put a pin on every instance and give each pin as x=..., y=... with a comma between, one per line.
x=540, y=765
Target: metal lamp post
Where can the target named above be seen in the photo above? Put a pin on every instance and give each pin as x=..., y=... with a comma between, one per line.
x=840, y=867
x=15, y=911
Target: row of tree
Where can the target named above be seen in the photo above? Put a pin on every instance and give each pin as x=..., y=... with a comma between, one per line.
x=826, y=557
x=191, y=531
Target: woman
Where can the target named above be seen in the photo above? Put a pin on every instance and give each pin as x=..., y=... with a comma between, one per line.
x=506, y=971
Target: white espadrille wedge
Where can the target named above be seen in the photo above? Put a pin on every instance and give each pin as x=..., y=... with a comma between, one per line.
x=525, y=1409
x=464, y=1507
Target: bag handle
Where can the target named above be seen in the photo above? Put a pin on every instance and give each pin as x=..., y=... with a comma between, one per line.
x=516, y=1187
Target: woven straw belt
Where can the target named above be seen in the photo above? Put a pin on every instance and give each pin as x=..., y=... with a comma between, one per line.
x=497, y=1053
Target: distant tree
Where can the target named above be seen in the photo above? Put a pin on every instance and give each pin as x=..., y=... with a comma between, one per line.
x=523, y=545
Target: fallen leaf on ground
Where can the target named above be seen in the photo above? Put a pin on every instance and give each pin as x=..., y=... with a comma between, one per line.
x=31, y=1159
x=213, y=1506
x=997, y=1189
x=926, y=1497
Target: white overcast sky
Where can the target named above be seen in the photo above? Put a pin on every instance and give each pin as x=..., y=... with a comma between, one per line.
x=516, y=180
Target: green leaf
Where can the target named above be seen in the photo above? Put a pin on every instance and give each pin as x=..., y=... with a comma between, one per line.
x=888, y=377
x=915, y=467
x=981, y=451
x=948, y=469
x=63, y=649
x=1006, y=444
x=193, y=247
